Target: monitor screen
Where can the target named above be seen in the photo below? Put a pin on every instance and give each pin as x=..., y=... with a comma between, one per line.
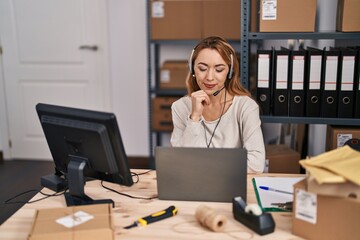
x=84, y=145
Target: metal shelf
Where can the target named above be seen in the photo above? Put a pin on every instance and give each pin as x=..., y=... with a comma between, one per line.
x=169, y=92
x=311, y=120
x=303, y=35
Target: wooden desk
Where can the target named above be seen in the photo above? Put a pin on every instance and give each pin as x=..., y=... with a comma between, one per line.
x=127, y=210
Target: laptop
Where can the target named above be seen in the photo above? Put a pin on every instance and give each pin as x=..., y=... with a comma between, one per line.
x=201, y=174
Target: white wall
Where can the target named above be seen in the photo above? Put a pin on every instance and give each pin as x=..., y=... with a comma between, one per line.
x=128, y=57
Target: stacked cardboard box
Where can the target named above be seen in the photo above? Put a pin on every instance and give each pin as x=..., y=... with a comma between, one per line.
x=173, y=74
x=282, y=159
x=161, y=114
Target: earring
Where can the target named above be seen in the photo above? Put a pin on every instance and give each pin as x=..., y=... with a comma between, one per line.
x=193, y=75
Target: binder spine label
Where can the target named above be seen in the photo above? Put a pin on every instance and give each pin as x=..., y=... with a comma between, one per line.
x=298, y=73
x=347, y=74
x=263, y=70
x=282, y=72
x=331, y=73
x=315, y=73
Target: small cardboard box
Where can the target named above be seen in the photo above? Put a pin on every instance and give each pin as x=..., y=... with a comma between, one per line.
x=336, y=136
x=225, y=23
x=161, y=114
x=282, y=159
x=348, y=17
x=175, y=20
x=173, y=74
x=287, y=16
x=324, y=217
x=73, y=223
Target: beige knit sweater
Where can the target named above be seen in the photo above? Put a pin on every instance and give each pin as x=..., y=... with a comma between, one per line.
x=240, y=126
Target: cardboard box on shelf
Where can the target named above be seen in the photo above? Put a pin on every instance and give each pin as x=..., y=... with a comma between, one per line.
x=173, y=74
x=287, y=16
x=336, y=136
x=324, y=217
x=348, y=17
x=282, y=159
x=161, y=115
x=180, y=20
x=77, y=223
x=197, y=19
x=225, y=23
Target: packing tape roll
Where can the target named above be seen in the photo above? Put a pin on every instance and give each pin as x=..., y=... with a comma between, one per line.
x=210, y=218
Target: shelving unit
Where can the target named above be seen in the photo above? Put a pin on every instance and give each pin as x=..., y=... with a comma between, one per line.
x=247, y=38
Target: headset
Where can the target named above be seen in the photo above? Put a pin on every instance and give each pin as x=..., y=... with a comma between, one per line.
x=231, y=71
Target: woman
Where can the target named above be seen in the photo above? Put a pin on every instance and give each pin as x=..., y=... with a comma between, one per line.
x=217, y=111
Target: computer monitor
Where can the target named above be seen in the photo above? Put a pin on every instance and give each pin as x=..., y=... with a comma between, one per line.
x=84, y=145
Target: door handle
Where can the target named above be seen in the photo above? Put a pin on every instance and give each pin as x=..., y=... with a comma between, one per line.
x=87, y=47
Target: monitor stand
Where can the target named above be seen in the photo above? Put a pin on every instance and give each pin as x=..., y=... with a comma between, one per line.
x=76, y=181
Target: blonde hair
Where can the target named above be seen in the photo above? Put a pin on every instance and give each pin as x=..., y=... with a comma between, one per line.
x=232, y=85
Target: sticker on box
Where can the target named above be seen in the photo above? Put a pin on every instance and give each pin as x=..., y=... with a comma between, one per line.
x=342, y=139
x=306, y=206
x=158, y=10
x=269, y=9
x=165, y=76
x=75, y=219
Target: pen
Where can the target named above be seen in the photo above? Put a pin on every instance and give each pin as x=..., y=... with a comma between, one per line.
x=169, y=212
x=274, y=190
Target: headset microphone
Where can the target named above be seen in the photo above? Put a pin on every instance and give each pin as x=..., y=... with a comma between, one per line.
x=218, y=91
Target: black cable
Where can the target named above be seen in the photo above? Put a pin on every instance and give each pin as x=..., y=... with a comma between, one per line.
x=138, y=174
x=126, y=195
x=8, y=201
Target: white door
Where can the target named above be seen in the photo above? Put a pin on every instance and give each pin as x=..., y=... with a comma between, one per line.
x=54, y=51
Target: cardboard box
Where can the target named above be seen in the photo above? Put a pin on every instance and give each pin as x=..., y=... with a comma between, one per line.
x=324, y=217
x=173, y=74
x=175, y=20
x=346, y=189
x=282, y=159
x=336, y=136
x=197, y=19
x=161, y=114
x=75, y=223
x=287, y=16
x=348, y=17
x=225, y=23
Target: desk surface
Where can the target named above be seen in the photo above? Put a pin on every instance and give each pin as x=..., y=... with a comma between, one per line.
x=127, y=210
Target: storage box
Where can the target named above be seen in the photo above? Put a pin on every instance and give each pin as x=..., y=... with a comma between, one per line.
x=222, y=18
x=336, y=136
x=345, y=189
x=287, y=15
x=161, y=114
x=76, y=223
x=324, y=217
x=282, y=159
x=173, y=74
x=176, y=19
x=348, y=17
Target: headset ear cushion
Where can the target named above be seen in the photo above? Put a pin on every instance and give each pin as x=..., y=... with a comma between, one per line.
x=254, y=209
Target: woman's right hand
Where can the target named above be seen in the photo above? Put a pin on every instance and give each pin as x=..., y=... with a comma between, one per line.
x=198, y=99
